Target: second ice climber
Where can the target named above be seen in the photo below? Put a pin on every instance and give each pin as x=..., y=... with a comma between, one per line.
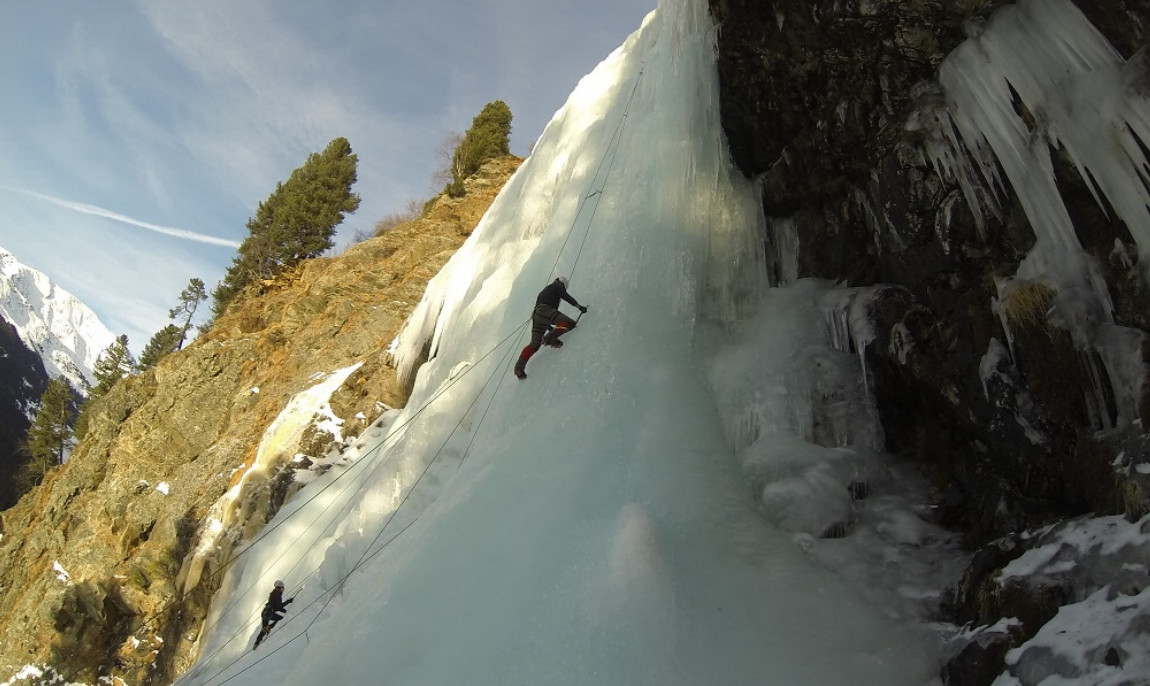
x=547, y=322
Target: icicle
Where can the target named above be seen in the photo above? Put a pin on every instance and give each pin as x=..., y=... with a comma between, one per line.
x=995, y=355
x=848, y=326
x=1120, y=354
x=1046, y=59
x=1099, y=394
x=783, y=243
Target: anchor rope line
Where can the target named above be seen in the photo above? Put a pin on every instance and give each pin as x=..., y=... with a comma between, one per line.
x=366, y=459
x=240, y=595
x=609, y=158
x=435, y=458
x=508, y=357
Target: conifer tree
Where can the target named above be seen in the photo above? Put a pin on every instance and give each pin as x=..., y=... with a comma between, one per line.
x=166, y=341
x=50, y=437
x=296, y=222
x=190, y=299
x=488, y=137
x=112, y=365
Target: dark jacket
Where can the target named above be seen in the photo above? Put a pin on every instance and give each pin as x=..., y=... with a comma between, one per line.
x=275, y=602
x=551, y=294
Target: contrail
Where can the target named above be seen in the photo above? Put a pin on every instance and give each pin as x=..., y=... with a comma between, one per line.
x=115, y=216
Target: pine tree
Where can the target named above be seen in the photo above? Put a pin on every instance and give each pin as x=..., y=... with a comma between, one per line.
x=50, y=437
x=190, y=299
x=166, y=341
x=488, y=137
x=112, y=365
x=295, y=223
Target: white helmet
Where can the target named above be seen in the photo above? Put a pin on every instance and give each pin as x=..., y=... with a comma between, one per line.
x=279, y=583
x=562, y=280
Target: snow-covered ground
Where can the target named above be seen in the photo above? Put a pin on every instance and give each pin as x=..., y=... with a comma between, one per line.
x=1102, y=634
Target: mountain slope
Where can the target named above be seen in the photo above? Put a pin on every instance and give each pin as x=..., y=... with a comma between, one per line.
x=164, y=447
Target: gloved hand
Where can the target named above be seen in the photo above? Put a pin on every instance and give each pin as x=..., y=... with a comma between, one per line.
x=288, y=601
x=583, y=309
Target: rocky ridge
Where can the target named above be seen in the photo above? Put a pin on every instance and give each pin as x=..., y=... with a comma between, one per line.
x=64, y=331
x=98, y=577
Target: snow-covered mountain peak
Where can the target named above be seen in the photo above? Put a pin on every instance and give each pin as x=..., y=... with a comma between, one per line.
x=51, y=321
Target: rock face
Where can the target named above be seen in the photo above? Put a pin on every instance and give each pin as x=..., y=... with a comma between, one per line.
x=1017, y=413
x=109, y=566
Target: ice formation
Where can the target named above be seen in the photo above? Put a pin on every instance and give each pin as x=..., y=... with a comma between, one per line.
x=592, y=524
x=1037, y=77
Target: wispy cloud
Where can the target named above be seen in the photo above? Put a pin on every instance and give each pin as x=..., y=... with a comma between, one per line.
x=116, y=216
x=191, y=113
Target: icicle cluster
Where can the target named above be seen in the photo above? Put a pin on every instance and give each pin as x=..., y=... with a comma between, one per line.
x=1036, y=77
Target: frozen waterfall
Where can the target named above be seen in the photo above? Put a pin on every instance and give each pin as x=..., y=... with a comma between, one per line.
x=595, y=524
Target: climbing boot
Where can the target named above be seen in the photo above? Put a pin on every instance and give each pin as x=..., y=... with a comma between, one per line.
x=551, y=338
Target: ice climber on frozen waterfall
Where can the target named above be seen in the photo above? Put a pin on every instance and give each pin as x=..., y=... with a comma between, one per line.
x=547, y=322
x=271, y=614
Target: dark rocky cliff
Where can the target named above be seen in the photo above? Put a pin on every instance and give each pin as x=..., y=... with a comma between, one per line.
x=816, y=99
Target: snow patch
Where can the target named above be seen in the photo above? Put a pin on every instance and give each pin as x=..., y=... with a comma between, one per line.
x=62, y=574
x=40, y=675
x=1102, y=640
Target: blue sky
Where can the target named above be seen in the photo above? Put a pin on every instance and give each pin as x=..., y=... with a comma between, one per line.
x=137, y=138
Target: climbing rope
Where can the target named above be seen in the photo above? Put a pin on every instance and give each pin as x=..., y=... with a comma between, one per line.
x=435, y=458
x=365, y=557
x=608, y=158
